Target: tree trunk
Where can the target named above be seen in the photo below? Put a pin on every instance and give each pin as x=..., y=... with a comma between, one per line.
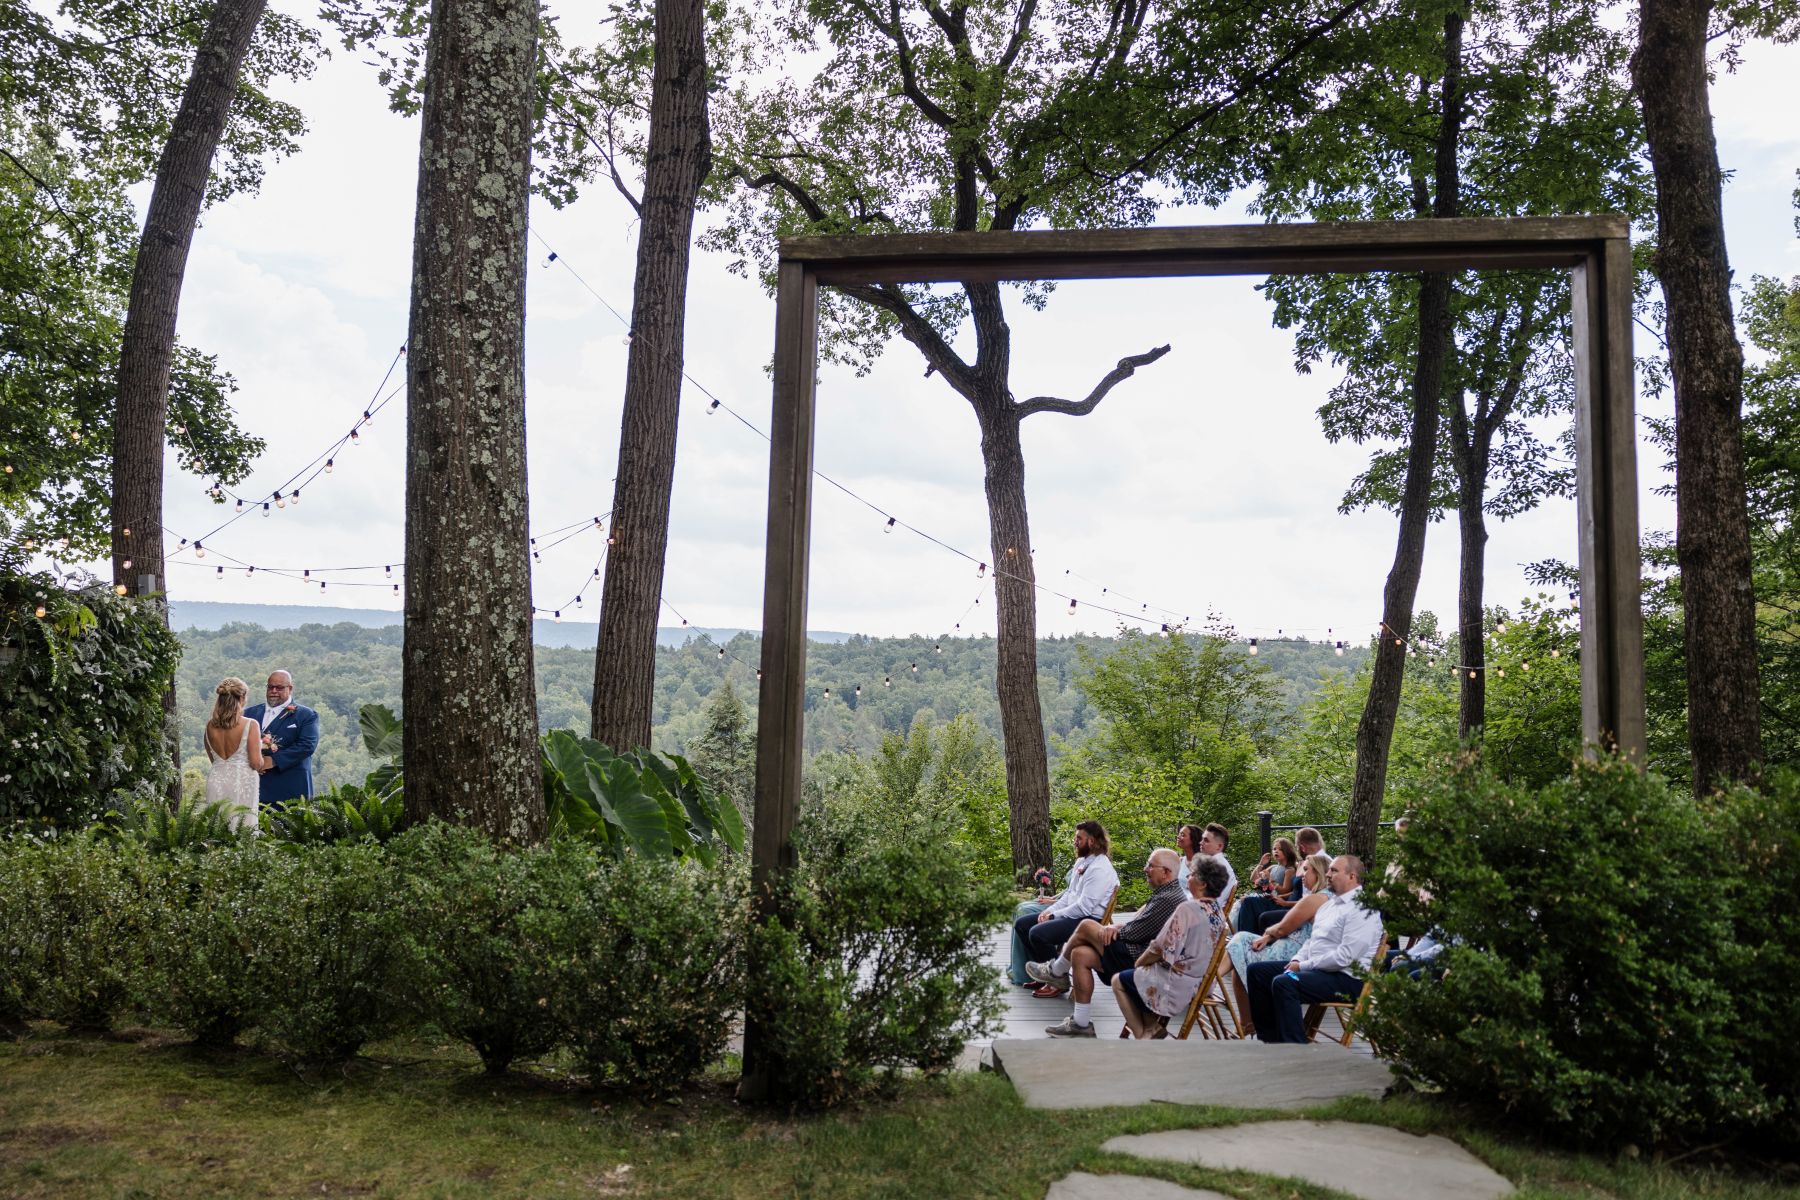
x=1707, y=365
x=1375, y=731
x=471, y=752
x=676, y=163
x=149, y=336
x=1471, y=580
x=1015, y=603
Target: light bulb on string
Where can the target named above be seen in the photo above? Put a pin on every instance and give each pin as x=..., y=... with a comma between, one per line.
x=981, y=571
x=388, y=570
x=125, y=565
x=889, y=527
x=306, y=573
x=265, y=508
x=355, y=438
x=938, y=649
x=1340, y=649
x=759, y=674
x=396, y=589
x=721, y=652
x=1471, y=672
x=199, y=550
x=294, y=497
x=328, y=466
x=39, y=610
x=828, y=693
x=321, y=585
x=1500, y=628
x=218, y=572
x=249, y=572
x=1555, y=653
x=1165, y=629
x=859, y=690
x=240, y=504
x=915, y=668
x=119, y=588
x=559, y=616
x=280, y=501
x=887, y=681
x=367, y=416
x=1501, y=672
x=1253, y=645
x=1524, y=665
x=712, y=408
x=1071, y=608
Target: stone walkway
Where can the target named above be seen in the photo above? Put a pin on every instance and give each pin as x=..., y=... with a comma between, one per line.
x=1369, y=1161
x=1079, y=1073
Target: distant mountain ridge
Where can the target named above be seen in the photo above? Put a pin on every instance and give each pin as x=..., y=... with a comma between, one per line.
x=214, y=614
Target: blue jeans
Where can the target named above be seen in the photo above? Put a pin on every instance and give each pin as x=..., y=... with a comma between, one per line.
x=1029, y=909
x=1127, y=979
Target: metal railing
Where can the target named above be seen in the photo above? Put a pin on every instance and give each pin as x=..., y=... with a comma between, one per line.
x=1266, y=828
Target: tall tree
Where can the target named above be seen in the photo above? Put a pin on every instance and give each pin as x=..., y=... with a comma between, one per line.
x=983, y=115
x=471, y=740
x=1551, y=79
x=1706, y=364
x=148, y=343
x=678, y=158
x=88, y=96
x=1437, y=180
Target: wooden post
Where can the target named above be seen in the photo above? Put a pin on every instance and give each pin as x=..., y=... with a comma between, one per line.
x=1612, y=627
x=781, y=712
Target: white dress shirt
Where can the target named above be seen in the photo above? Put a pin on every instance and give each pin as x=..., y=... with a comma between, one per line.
x=1092, y=882
x=1181, y=876
x=1343, y=933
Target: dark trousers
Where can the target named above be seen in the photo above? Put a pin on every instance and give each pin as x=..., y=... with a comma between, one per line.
x=1043, y=940
x=1278, y=1002
x=1253, y=909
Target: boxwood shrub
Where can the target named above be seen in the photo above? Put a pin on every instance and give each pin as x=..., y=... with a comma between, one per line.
x=1623, y=966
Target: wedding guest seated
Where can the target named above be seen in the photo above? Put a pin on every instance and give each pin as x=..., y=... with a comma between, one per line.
x=1162, y=983
x=1105, y=950
x=1282, y=940
x=1092, y=882
x=1344, y=935
x=1210, y=843
x=1259, y=912
x=1277, y=876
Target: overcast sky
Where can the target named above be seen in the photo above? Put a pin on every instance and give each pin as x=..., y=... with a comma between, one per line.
x=1203, y=483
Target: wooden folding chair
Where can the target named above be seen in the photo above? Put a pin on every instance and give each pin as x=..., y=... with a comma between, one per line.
x=1209, y=998
x=1347, y=1013
x=1106, y=917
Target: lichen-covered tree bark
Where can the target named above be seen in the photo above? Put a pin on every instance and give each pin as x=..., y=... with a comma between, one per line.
x=148, y=344
x=1712, y=524
x=471, y=752
x=677, y=159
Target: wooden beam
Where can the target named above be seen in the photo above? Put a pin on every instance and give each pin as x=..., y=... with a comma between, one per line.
x=781, y=715
x=1612, y=629
x=1337, y=246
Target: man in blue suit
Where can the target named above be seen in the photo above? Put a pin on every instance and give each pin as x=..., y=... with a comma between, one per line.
x=290, y=735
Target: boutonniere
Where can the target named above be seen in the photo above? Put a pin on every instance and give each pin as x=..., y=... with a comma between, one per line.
x=288, y=709
x=1081, y=868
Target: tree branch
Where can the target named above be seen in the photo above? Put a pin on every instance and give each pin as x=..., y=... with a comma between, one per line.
x=916, y=329
x=1080, y=408
x=69, y=221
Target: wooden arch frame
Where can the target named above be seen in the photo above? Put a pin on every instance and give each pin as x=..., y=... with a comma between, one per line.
x=1595, y=250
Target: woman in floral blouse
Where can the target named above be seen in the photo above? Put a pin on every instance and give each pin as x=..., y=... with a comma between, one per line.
x=1168, y=973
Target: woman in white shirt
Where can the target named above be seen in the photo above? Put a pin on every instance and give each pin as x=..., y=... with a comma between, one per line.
x=1092, y=882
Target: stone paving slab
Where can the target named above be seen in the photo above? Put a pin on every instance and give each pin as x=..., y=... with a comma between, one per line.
x=1082, y=1073
x=1082, y=1186
x=1370, y=1161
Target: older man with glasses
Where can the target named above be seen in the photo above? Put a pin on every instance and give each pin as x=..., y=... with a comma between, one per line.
x=1345, y=935
x=1105, y=950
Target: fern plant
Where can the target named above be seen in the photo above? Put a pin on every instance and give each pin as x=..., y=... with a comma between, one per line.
x=165, y=828
x=344, y=813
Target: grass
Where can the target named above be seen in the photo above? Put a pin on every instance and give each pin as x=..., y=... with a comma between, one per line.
x=142, y=1116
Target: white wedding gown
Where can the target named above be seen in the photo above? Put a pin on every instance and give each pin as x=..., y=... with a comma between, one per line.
x=232, y=782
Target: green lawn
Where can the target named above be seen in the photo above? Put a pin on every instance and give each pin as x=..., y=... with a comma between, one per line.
x=142, y=1116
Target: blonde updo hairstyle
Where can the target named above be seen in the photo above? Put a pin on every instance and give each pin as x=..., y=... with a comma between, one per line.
x=228, y=702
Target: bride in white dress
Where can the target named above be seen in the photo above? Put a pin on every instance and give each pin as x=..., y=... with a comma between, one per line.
x=234, y=745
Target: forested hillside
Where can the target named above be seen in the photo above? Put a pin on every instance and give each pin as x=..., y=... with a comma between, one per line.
x=339, y=667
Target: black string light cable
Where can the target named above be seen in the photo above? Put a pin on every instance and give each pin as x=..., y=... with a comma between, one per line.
x=891, y=521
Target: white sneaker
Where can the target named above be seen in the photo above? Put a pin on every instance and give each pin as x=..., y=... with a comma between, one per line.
x=1067, y=1028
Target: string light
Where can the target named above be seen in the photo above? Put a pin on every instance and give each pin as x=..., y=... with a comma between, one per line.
x=329, y=463
x=1253, y=645
x=1340, y=649
x=119, y=588
x=889, y=527
x=279, y=502
x=199, y=550
x=981, y=571
x=39, y=610
x=355, y=439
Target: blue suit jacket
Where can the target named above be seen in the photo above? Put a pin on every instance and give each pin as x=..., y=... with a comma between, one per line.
x=296, y=736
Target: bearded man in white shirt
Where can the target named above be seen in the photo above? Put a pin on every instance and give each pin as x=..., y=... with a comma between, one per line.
x=1345, y=935
x=1092, y=882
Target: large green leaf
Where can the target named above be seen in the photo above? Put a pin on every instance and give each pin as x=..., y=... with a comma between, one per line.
x=620, y=789
x=723, y=817
x=380, y=730
x=683, y=836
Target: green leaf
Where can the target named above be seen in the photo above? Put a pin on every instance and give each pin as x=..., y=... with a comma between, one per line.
x=620, y=790
x=380, y=730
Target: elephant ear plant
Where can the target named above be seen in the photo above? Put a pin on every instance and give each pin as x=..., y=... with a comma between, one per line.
x=656, y=805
